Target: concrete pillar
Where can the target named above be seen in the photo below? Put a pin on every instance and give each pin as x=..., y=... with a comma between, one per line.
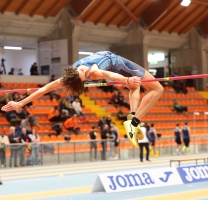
x=66, y=30
x=204, y=58
x=133, y=47
x=191, y=57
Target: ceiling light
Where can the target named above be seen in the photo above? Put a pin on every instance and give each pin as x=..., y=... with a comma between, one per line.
x=13, y=48
x=85, y=53
x=185, y=2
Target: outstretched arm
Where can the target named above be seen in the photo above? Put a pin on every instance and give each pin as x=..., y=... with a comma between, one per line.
x=96, y=74
x=47, y=88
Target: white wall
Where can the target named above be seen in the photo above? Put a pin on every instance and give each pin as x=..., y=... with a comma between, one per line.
x=19, y=59
x=50, y=50
x=24, y=79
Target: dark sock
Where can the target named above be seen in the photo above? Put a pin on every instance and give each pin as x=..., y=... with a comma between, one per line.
x=135, y=122
x=133, y=113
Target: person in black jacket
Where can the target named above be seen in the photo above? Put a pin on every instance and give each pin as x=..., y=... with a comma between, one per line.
x=104, y=136
x=23, y=139
x=93, y=143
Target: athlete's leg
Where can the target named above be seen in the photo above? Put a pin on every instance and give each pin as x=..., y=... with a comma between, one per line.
x=134, y=97
x=155, y=91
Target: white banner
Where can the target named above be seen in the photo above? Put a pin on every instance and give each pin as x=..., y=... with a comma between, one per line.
x=134, y=180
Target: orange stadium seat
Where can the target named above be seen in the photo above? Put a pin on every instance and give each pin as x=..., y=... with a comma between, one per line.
x=60, y=138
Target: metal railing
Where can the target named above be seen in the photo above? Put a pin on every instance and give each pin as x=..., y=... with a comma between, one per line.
x=79, y=151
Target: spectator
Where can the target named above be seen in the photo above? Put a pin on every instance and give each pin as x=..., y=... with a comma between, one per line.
x=190, y=82
x=101, y=123
x=58, y=128
x=25, y=112
x=104, y=136
x=4, y=140
x=77, y=107
x=108, y=121
x=152, y=137
x=114, y=99
x=180, y=109
x=116, y=138
x=121, y=101
x=71, y=98
x=20, y=71
x=177, y=134
x=25, y=123
x=24, y=140
x=54, y=115
x=11, y=72
x=80, y=100
x=186, y=132
x=121, y=115
x=11, y=116
x=6, y=98
x=178, y=85
x=20, y=113
x=93, y=143
x=71, y=124
x=69, y=107
x=13, y=139
x=144, y=142
x=35, y=139
x=111, y=142
x=53, y=78
x=34, y=69
x=28, y=119
x=64, y=113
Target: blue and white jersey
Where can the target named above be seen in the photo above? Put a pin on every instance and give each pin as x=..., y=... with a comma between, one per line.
x=108, y=61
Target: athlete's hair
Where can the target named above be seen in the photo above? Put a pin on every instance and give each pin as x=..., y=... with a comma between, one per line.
x=72, y=82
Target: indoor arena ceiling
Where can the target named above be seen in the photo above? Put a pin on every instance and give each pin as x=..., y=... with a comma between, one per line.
x=160, y=15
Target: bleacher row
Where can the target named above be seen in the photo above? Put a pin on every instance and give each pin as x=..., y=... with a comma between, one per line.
x=161, y=113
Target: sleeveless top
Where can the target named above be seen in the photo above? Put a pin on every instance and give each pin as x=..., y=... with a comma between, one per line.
x=107, y=61
x=177, y=132
x=114, y=132
x=185, y=132
x=152, y=135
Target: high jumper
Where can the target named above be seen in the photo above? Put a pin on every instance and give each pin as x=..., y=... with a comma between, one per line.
x=106, y=65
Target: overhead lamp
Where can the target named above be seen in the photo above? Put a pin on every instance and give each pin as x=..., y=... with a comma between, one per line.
x=185, y=2
x=12, y=48
x=85, y=53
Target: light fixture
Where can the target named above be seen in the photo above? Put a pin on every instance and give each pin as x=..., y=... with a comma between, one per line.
x=185, y=2
x=13, y=48
x=85, y=53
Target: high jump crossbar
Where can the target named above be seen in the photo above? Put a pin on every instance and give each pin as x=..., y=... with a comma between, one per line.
x=119, y=83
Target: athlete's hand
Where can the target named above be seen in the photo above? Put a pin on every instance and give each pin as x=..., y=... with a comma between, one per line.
x=134, y=81
x=11, y=105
